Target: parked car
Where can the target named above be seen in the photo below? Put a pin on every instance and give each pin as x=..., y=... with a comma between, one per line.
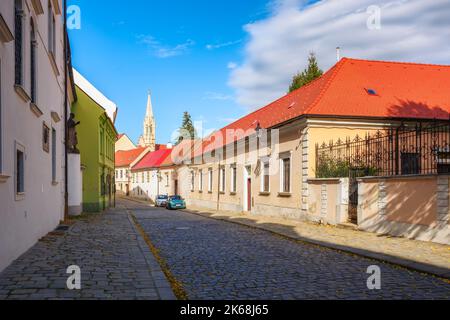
x=161, y=200
x=176, y=202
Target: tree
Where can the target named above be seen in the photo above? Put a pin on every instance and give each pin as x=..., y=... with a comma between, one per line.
x=187, y=130
x=309, y=74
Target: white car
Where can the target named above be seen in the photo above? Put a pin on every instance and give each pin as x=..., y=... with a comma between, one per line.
x=161, y=200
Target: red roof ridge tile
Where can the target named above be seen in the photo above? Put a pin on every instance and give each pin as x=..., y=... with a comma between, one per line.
x=397, y=62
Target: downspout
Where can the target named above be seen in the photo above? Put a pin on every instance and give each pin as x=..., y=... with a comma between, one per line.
x=66, y=135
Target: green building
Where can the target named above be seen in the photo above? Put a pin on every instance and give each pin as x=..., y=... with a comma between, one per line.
x=96, y=140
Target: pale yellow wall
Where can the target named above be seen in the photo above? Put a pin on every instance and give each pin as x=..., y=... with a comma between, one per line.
x=412, y=200
x=315, y=200
x=319, y=135
x=124, y=143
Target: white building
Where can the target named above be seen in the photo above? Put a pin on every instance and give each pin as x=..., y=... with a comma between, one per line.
x=31, y=123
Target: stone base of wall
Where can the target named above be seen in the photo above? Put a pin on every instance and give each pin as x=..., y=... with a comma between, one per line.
x=279, y=212
x=438, y=234
x=91, y=207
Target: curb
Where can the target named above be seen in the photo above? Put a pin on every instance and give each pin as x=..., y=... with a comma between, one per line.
x=395, y=261
x=162, y=285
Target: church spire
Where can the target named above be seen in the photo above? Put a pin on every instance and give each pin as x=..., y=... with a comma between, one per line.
x=149, y=112
x=148, y=136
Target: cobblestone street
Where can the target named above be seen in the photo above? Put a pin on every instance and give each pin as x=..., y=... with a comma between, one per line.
x=219, y=260
x=211, y=259
x=114, y=261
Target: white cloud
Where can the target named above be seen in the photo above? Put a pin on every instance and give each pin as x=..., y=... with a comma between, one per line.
x=165, y=51
x=411, y=30
x=216, y=96
x=232, y=65
x=222, y=45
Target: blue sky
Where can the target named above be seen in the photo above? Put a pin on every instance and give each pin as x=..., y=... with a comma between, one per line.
x=221, y=59
x=178, y=49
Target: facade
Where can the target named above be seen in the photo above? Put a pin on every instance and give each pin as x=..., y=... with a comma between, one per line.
x=265, y=163
x=147, y=138
x=150, y=176
x=31, y=123
x=124, y=159
x=96, y=140
x=124, y=143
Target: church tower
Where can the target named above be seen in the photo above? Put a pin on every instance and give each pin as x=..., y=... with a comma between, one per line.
x=148, y=137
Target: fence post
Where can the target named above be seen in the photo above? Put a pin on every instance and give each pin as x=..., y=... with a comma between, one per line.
x=397, y=151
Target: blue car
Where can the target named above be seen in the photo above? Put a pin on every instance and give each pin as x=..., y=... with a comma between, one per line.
x=176, y=202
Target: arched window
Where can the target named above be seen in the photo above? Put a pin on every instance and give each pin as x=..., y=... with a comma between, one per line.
x=18, y=36
x=33, y=76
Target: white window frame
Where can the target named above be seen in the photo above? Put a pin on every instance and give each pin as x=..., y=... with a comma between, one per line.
x=283, y=157
x=192, y=180
x=222, y=177
x=264, y=162
x=233, y=175
x=200, y=180
x=19, y=195
x=51, y=30
x=210, y=180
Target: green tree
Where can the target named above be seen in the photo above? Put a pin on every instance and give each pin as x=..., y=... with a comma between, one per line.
x=306, y=76
x=187, y=130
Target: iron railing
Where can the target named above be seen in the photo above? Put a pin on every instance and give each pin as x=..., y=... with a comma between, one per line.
x=408, y=149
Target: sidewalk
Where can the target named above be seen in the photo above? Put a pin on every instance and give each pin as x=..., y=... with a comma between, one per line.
x=421, y=256
x=114, y=261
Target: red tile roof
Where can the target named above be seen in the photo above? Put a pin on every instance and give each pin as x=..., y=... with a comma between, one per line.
x=153, y=159
x=160, y=147
x=403, y=90
x=126, y=157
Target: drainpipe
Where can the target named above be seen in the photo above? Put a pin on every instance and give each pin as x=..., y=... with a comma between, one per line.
x=66, y=157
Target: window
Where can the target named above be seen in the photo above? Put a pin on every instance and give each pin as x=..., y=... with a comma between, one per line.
x=33, y=75
x=18, y=36
x=53, y=154
x=200, y=180
x=20, y=170
x=45, y=138
x=210, y=180
x=233, y=178
x=222, y=179
x=192, y=180
x=167, y=179
x=142, y=177
x=121, y=173
x=285, y=175
x=265, y=176
x=51, y=30
x=148, y=176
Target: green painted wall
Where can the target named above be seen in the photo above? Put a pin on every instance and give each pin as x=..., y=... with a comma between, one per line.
x=96, y=140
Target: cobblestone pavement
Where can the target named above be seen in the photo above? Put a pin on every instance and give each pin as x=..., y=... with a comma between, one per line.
x=215, y=259
x=112, y=257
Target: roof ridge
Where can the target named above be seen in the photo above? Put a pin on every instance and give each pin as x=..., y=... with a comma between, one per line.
x=399, y=62
x=334, y=71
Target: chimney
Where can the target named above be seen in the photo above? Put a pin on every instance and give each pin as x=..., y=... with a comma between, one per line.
x=338, y=54
x=169, y=146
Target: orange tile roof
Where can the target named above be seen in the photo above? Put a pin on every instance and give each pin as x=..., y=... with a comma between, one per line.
x=403, y=90
x=153, y=159
x=126, y=157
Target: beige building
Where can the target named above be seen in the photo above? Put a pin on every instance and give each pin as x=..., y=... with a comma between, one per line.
x=124, y=143
x=265, y=162
x=32, y=111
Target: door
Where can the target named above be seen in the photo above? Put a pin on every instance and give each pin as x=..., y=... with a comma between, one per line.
x=355, y=173
x=127, y=190
x=176, y=187
x=249, y=194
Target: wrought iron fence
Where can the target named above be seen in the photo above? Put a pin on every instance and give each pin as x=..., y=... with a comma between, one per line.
x=418, y=149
